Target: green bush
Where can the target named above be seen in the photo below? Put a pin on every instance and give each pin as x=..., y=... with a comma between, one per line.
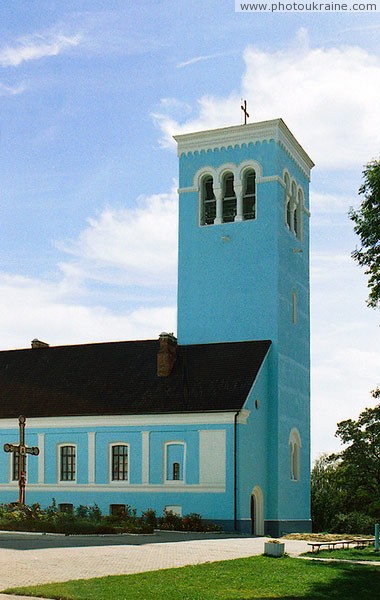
x=89, y=520
x=353, y=522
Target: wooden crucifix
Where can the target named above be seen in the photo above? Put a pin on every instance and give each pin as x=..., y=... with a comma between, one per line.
x=21, y=450
x=244, y=109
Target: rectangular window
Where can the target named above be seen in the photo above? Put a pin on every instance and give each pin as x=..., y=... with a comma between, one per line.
x=117, y=510
x=65, y=507
x=120, y=463
x=68, y=463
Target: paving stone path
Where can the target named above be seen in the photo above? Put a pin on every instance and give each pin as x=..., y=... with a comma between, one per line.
x=28, y=559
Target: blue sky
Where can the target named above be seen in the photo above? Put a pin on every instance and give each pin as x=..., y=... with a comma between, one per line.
x=90, y=95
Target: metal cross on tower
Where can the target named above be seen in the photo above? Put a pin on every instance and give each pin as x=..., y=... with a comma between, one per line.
x=244, y=109
x=21, y=450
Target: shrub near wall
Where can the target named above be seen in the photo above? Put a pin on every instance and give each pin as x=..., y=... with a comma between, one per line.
x=89, y=520
x=82, y=520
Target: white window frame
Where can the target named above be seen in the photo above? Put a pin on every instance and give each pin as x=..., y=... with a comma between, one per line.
x=165, y=466
x=176, y=509
x=110, y=463
x=59, y=464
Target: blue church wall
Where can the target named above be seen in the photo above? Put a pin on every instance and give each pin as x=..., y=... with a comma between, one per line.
x=213, y=498
x=254, y=468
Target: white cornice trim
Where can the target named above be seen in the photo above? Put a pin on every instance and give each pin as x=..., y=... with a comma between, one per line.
x=243, y=416
x=214, y=488
x=236, y=136
x=88, y=422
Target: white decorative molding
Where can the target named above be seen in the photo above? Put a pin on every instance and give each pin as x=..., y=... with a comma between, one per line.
x=145, y=443
x=236, y=136
x=89, y=422
x=91, y=456
x=269, y=179
x=212, y=456
x=187, y=190
x=41, y=457
x=243, y=415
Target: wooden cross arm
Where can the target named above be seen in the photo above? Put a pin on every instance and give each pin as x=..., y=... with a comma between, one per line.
x=33, y=450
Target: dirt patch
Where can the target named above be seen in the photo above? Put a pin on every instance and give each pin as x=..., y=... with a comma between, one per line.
x=324, y=537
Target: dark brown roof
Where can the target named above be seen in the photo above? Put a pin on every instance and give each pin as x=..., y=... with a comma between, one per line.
x=120, y=378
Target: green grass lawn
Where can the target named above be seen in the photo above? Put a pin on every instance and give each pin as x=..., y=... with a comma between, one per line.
x=256, y=577
x=348, y=554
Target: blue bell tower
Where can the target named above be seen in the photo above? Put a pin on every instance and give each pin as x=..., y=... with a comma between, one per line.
x=244, y=275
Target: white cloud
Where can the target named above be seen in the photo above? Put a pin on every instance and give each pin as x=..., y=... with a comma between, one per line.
x=133, y=250
x=131, y=246
x=6, y=90
x=345, y=342
x=328, y=97
x=41, y=308
x=197, y=59
x=36, y=46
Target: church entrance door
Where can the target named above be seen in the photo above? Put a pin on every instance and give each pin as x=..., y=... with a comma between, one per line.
x=257, y=511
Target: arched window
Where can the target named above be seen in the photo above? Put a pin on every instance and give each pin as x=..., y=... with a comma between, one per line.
x=287, y=200
x=295, y=454
x=208, y=201
x=174, y=461
x=293, y=218
x=229, y=199
x=119, y=462
x=299, y=215
x=249, y=195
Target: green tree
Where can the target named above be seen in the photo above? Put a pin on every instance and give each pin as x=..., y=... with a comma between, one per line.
x=367, y=226
x=325, y=492
x=345, y=487
x=360, y=461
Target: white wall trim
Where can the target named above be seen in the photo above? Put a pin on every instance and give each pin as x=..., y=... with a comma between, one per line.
x=88, y=422
x=145, y=450
x=243, y=415
x=91, y=456
x=106, y=488
x=41, y=457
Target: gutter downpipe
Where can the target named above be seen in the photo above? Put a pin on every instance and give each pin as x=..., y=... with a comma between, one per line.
x=235, y=470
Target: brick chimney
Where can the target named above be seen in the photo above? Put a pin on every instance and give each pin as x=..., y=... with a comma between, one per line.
x=167, y=354
x=38, y=344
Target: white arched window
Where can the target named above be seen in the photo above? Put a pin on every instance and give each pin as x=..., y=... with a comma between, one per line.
x=174, y=463
x=249, y=195
x=228, y=198
x=295, y=454
x=208, y=201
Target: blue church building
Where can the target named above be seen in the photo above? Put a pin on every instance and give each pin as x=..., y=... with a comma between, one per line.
x=215, y=421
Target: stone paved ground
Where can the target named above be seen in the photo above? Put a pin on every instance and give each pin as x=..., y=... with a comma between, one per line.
x=31, y=559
